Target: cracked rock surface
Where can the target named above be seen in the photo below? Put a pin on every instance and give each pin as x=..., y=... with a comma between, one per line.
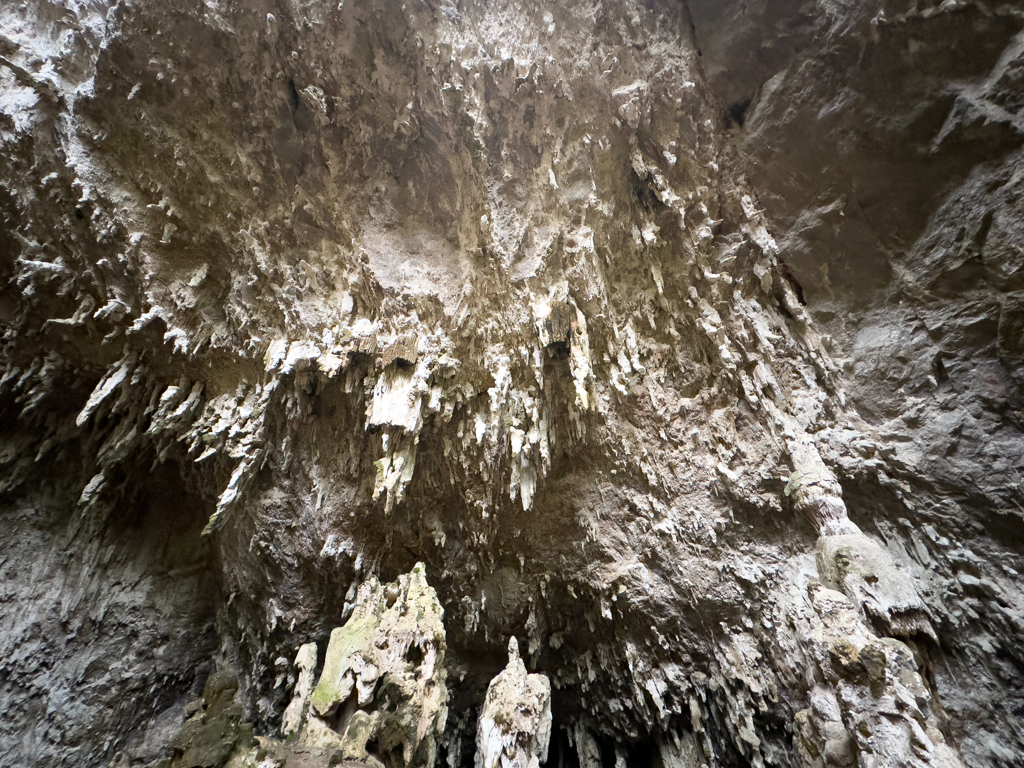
x=682, y=341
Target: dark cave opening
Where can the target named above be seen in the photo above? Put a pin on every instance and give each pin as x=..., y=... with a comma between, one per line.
x=561, y=751
x=737, y=113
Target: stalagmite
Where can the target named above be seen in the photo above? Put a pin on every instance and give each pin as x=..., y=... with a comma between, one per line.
x=295, y=714
x=514, y=728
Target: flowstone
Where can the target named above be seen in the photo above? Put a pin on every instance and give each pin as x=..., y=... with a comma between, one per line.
x=305, y=663
x=865, y=572
x=869, y=704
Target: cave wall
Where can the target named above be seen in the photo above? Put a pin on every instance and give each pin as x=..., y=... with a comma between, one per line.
x=636, y=322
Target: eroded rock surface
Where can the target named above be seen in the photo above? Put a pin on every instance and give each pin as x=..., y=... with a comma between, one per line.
x=383, y=678
x=514, y=729
x=379, y=701
x=681, y=340
x=214, y=732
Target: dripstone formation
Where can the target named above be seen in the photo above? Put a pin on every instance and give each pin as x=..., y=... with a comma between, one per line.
x=679, y=341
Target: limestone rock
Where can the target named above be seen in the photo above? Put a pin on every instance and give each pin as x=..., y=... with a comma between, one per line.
x=872, y=707
x=216, y=730
x=863, y=570
x=383, y=681
x=295, y=714
x=514, y=728
x=631, y=319
x=383, y=678
x=388, y=658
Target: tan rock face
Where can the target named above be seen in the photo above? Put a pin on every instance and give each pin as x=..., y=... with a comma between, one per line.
x=635, y=322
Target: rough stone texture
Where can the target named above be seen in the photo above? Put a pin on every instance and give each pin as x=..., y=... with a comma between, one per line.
x=681, y=339
x=379, y=702
x=295, y=714
x=514, y=729
x=383, y=679
x=106, y=625
x=215, y=730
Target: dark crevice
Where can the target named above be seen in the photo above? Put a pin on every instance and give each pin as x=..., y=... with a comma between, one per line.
x=787, y=273
x=737, y=113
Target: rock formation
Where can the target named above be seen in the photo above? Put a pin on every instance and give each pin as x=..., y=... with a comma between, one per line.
x=514, y=729
x=383, y=679
x=680, y=339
